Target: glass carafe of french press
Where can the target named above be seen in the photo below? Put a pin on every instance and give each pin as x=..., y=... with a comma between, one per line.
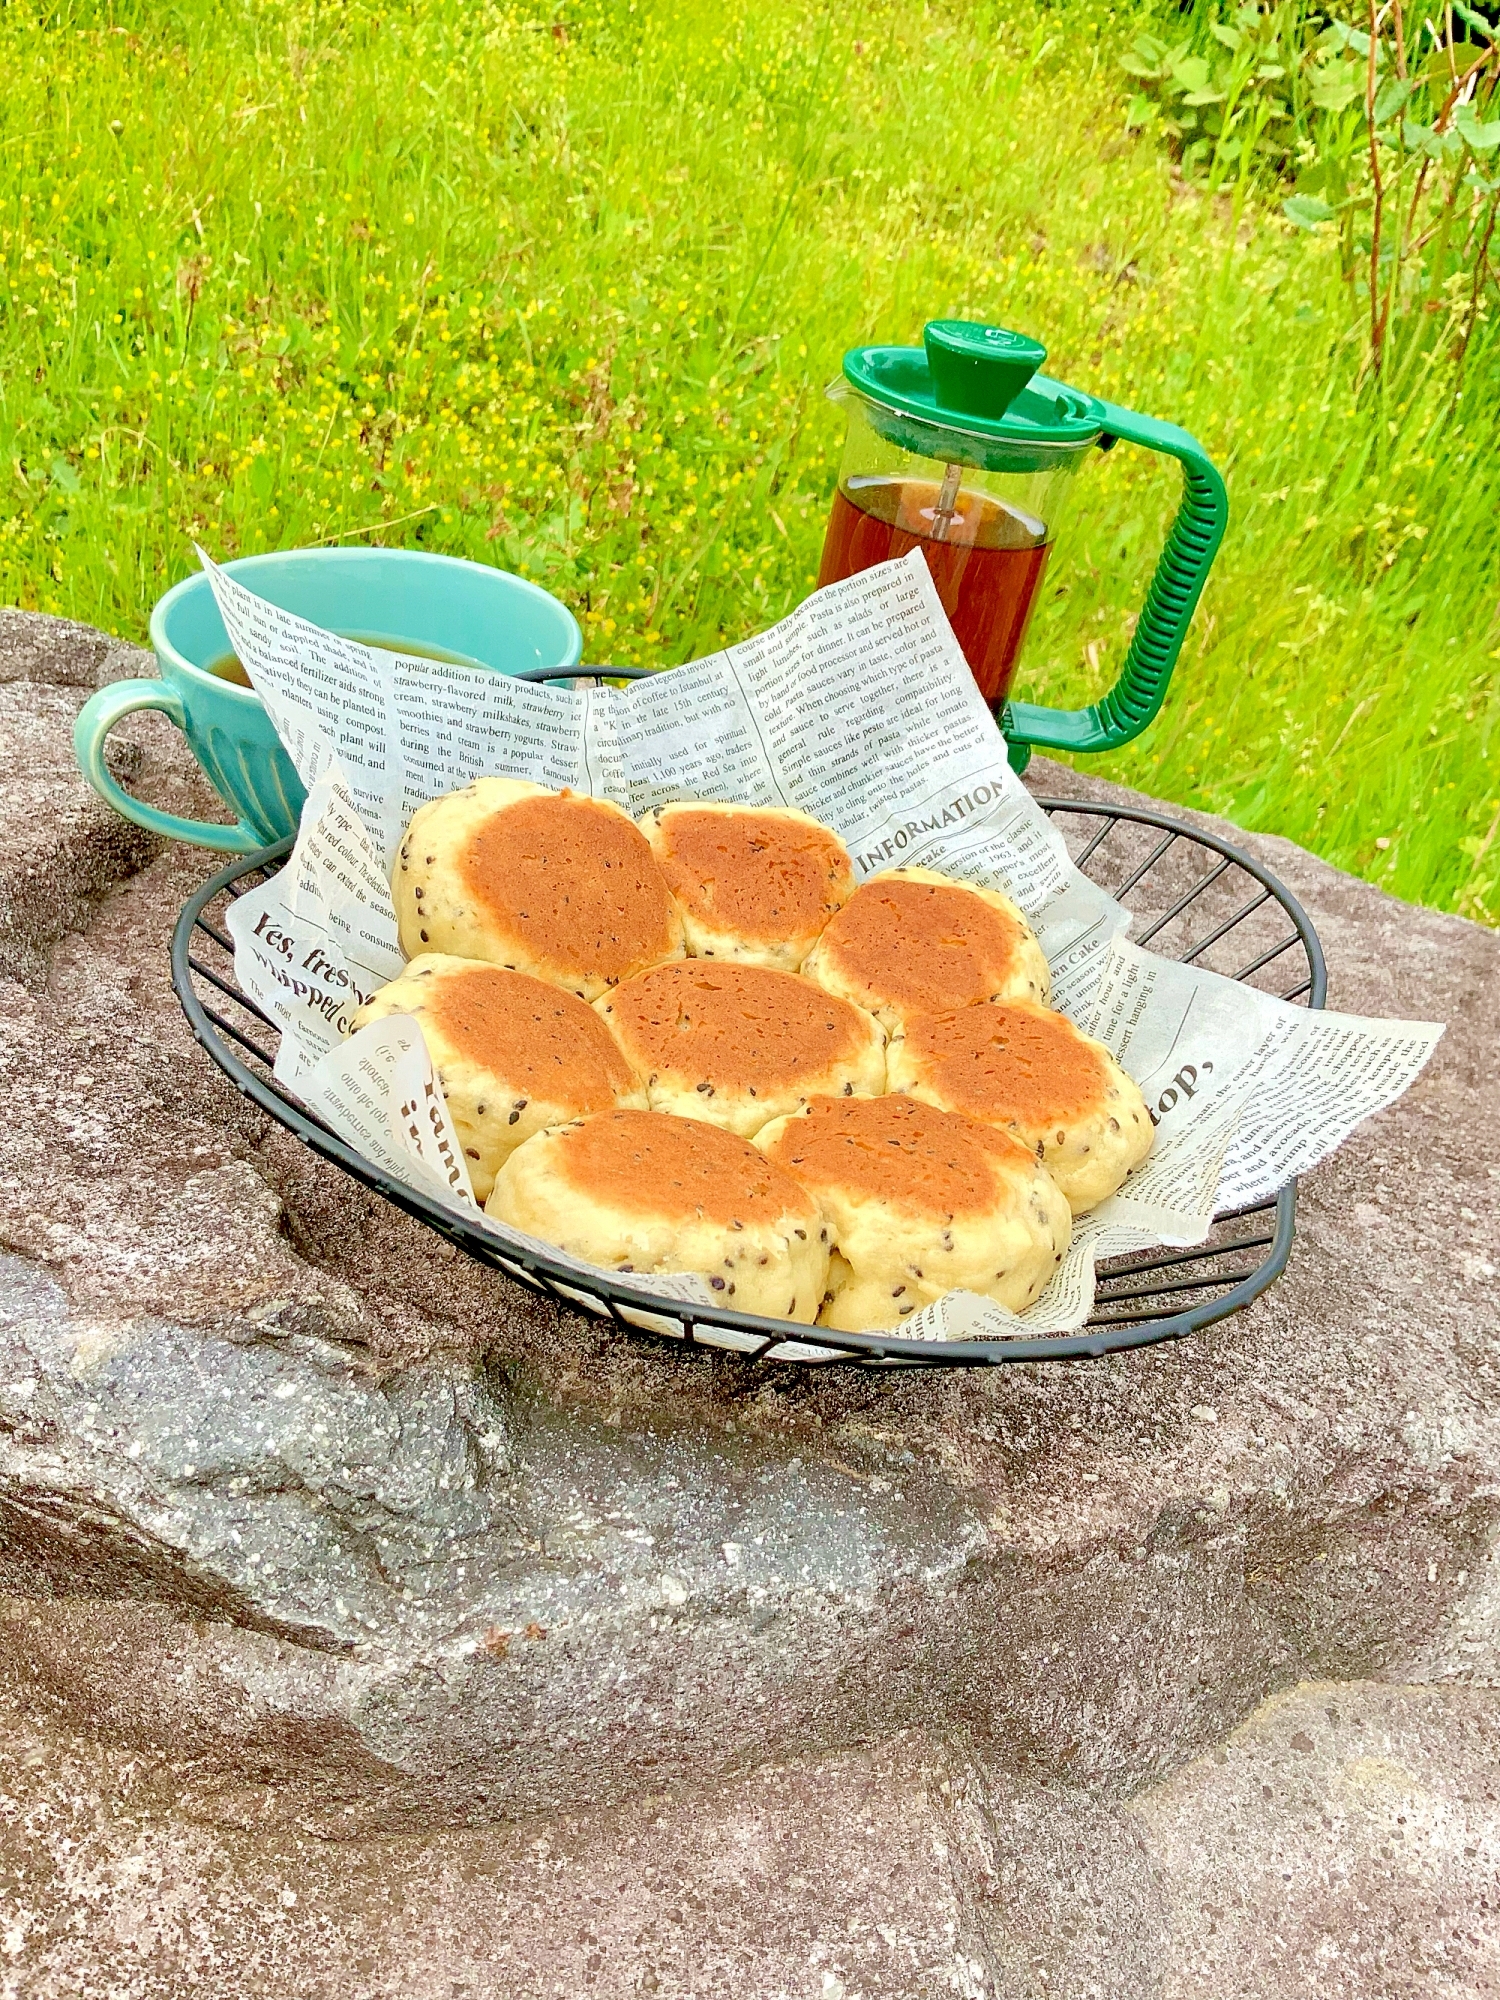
x=960, y=448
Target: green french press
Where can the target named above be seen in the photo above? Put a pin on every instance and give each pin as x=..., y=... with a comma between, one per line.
x=962, y=449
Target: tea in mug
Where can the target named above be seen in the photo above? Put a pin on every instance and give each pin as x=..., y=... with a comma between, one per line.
x=985, y=557
x=228, y=667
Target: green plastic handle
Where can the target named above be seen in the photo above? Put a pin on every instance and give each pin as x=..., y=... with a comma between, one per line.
x=1181, y=572
x=97, y=718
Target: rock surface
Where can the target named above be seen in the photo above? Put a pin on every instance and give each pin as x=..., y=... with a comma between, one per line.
x=1342, y=1844
x=349, y=1540
x=61, y=847
x=58, y=652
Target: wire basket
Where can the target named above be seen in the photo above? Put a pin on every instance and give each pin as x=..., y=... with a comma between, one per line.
x=1194, y=897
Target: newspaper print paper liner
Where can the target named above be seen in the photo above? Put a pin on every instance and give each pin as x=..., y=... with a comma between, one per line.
x=860, y=709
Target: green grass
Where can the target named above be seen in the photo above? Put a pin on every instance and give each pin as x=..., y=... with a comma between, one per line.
x=563, y=294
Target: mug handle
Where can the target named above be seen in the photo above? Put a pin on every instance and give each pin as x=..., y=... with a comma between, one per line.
x=1181, y=572
x=97, y=718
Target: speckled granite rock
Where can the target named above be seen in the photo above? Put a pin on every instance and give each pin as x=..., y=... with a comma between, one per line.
x=58, y=652
x=1342, y=1844
x=374, y=1543
x=893, y=1875
x=61, y=847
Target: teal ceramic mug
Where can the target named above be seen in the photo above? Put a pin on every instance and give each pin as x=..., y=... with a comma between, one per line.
x=438, y=604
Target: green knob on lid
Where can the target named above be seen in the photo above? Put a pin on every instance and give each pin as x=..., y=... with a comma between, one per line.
x=978, y=371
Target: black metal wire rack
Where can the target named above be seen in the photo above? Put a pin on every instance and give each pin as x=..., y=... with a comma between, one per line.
x=1193, y=896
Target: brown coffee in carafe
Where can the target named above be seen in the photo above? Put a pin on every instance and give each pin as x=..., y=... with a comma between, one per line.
x=962, y=448
x=986, y=559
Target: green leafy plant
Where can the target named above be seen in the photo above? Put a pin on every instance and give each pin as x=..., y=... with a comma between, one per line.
x=1385, y=134
x=1240, y=100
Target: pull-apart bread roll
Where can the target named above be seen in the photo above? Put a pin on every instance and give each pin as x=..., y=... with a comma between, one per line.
x=551, y=883
x=739, y=1045
x=912, y=940
x=1035, y=1075
x=634, y=1191
x=512, y=1054
x=753, y=883
x=919, y=1202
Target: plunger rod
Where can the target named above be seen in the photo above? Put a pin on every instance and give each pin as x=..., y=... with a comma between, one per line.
x=942, y=514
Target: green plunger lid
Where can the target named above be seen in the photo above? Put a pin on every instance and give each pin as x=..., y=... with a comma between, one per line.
x=972, y=394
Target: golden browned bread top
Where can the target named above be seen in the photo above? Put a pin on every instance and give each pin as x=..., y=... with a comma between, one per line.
x=739, y=1026
x=1008, y=1060
x=532, y=1035
x=896, y=1150
x=921, y=944
x=760, y=873
x=676, y=1169
x=574, y=881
